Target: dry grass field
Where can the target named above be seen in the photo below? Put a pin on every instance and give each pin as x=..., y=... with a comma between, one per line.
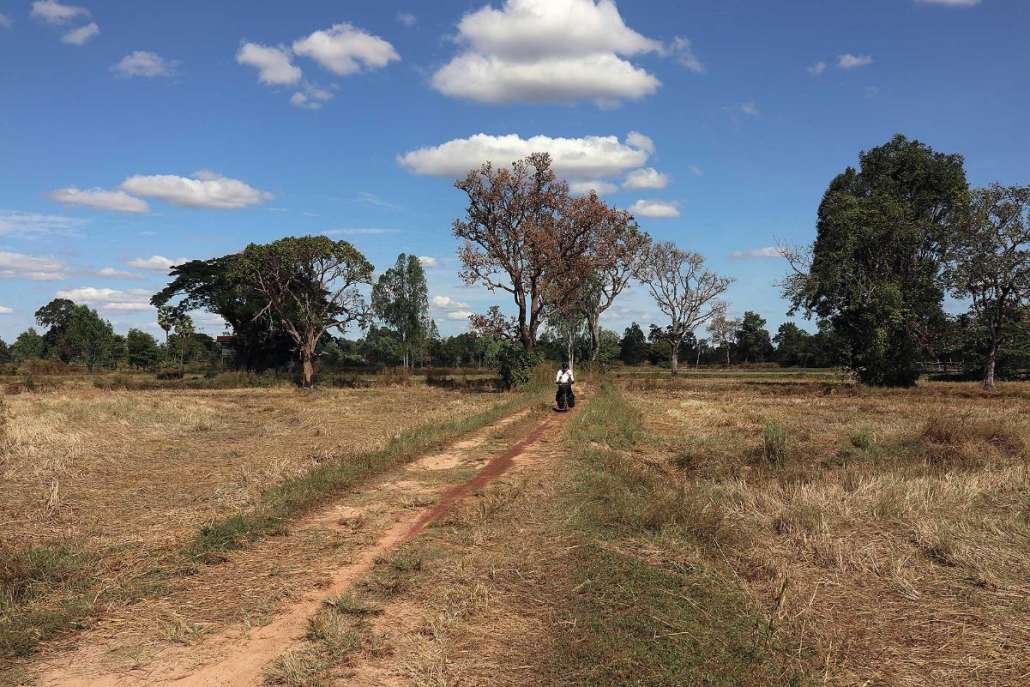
x=99, y=487
x=737, y=530
x=726, y=528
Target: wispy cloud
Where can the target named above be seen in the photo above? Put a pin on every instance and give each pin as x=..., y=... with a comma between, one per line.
x=765, y=252
x=30, y=224
x=32, y=267
x=849, y=61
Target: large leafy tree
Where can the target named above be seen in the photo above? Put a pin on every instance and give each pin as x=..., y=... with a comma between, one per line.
x=143, y=352
x=793, y=345
x=29, y=344
x=633, y=345
x=683, y=288
x=525, y=234
x=753, y=342
x=76, y=333
x=309, y=285
x=209, y=285
x=990, y=265
x=875, y=270
x=400, y=298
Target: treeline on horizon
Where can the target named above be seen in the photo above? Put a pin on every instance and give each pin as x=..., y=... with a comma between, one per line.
x=894, y=237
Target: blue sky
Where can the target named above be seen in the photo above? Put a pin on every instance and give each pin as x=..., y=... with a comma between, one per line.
x=136, y=134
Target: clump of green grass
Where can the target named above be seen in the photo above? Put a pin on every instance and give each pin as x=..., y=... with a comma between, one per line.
x=774, y=443
x=347, y=604
x=30, y=610
x=391, y=576
x=862, y=438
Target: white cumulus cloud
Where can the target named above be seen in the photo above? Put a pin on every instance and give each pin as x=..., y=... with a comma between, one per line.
x=109, y=299
x=34, y=267
x=448, y=303
x=655, y=208
x=54, y=12
x=849, y=61
x=345, y=49
x=458, y=315
x=204, y=190
x=101, y=199
x=4, y=310
x=114, y=273
x=646, y=178
x=547, y=51
x=597, y=186
x=157, y=263
x=428, y=261
x=274, y=64
x=145, y=64
x=81, y=35
x=587, y=158
x=638, y=140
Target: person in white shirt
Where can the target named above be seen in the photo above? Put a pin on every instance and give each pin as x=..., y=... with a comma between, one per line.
x=565, y=379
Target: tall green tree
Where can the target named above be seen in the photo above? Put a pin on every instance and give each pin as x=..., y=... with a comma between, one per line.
x=208, y=285
x=753, y=342
x=309, y=285
x=400, y=298
x=143, y=352
x=76, y=333
x=793, y=345
x=633, y=345
x=29, y=344
x=989, y=265
x=5, y=352
x=876, y=264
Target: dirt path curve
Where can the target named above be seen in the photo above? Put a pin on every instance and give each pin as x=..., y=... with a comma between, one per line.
x=237, y=657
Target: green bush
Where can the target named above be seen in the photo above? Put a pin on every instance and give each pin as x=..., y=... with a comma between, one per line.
x=515, y=365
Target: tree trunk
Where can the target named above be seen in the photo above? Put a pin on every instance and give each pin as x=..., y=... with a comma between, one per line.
x=992, y=358
x=697, y=365
x=307, y=366
x=594, y=324
x=675, y=358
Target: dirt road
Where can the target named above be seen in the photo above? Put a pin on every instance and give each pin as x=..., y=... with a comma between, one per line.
x=352, y=533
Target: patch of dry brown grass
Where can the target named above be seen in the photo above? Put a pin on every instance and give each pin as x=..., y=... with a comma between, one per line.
x=898, y=521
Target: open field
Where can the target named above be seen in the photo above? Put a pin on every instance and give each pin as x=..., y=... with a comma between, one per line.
x=102, y=488
x=729, y=528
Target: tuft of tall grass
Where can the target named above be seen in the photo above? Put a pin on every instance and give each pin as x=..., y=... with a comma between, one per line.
x=774, y=443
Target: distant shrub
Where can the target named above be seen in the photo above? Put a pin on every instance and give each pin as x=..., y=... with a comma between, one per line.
x=515, y=365
x=43, y=366
x=774, y=443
